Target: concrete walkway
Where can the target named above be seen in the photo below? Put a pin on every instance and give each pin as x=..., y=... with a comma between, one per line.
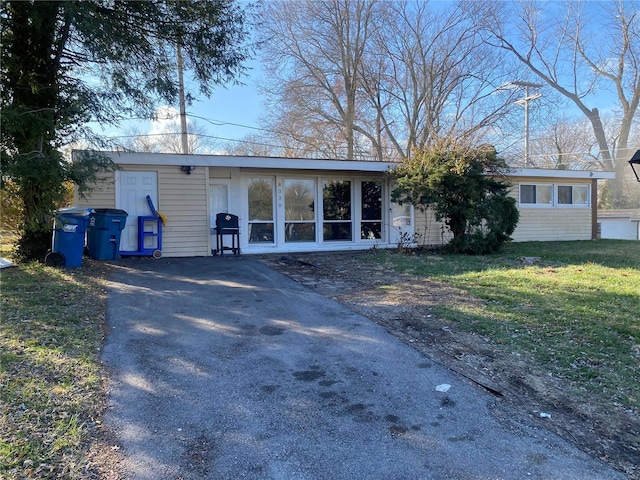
x=224, y=369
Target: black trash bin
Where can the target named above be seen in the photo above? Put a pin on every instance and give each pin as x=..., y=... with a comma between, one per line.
x=104, y=232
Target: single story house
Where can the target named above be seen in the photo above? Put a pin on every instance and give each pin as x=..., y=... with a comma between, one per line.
x=302, y=205
x=619, y=224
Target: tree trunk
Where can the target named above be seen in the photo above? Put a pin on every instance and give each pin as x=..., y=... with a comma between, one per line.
x=35, y=93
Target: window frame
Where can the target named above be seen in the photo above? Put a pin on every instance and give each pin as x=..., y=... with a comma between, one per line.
x=286, y=232
x=555, y=197
x=314, y=221
x=536, y=204
x=251, y=222
x=328, y=222
x=572, y=204
x=360, y=221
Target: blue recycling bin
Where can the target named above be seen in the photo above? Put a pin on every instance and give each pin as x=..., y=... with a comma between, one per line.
x=69, y=229
x=104, y=232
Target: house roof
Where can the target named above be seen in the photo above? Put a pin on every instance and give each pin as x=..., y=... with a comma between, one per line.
x=248, y=162
x=130, y=158
x=633, y=215
x=549, y=173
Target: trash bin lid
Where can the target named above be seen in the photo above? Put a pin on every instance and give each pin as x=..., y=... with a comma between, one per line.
x=109, y=211
x=82, y=211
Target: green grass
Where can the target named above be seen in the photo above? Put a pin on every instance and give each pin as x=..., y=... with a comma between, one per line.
x=575, y=312
x=50, y=372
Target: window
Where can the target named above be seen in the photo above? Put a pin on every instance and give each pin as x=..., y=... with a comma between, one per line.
x=261, y=210
x=573, y=195
x=336, y=208
x=371, y=221
x=317, y=208
x=299, y=210
x=553, y=195
x=536, y=194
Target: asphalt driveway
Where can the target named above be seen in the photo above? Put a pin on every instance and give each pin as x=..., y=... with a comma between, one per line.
x=224, y=369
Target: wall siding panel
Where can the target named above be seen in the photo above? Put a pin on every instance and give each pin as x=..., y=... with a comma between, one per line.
x=553, y=224
x=185, y=204
x=430, y=231
x=182, y=199
x=102, y=194
x=535, y=224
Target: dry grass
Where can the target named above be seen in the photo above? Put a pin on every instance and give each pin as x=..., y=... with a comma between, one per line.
x=52, y=380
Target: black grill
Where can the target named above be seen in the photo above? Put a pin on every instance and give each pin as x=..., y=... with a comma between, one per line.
x=227, y=224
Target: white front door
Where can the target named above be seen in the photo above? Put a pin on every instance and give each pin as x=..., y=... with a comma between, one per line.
x=218, y=200
x=132, y=189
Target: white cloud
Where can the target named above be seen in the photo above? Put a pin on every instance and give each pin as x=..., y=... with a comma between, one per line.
x=165, y=120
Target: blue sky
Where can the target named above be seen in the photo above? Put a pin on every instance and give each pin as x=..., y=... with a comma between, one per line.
x=233, y=104
x=222, y=115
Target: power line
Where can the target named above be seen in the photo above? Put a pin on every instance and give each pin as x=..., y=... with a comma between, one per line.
x=301, y=139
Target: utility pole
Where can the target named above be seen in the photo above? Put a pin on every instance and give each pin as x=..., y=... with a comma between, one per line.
x=183, y=111
x=525, y=102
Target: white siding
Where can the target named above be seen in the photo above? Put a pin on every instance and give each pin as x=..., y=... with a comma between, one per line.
x=182, y=199
x=553, y=224
x=430, y=231
x=102, y=195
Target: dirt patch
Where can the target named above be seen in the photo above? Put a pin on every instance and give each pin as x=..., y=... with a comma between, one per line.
x=404, y=304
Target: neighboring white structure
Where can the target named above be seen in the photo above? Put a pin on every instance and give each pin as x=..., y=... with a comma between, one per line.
x=619, y=224
x=298, y=205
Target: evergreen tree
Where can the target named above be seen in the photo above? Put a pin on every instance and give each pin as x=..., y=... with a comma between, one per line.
x=66, y=63
x=463, y=187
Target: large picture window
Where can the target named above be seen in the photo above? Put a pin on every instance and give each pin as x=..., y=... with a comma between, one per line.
x=336, y=209
x=261, y=218
x=299, y=210
x=371, y=213
x=319, y=209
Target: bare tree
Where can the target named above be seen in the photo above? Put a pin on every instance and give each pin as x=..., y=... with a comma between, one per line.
x=582, y=50
x=135, y=140
x=302, y=133
x=433, y=77
x=567, y=144
x=369, y=79
x=253, y=144
x=313, y=51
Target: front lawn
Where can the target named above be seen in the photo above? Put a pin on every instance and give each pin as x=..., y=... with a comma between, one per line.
x=572, y=307
x=52, y=382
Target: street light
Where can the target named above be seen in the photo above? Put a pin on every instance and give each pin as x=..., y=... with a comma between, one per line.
x=635, y=160
x=525, y=101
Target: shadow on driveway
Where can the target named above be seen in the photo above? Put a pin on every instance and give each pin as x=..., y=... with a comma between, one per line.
x=222, y=369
